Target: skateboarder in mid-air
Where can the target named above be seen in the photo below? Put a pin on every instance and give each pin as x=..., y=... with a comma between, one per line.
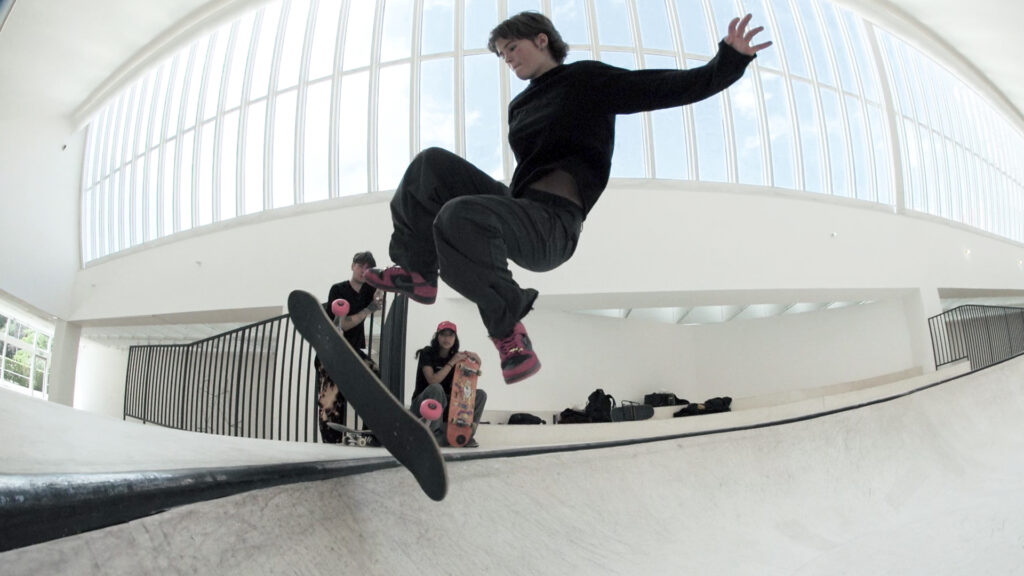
x=453, y=220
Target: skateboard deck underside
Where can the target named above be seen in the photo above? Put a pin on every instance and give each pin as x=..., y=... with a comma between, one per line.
x=397, y=429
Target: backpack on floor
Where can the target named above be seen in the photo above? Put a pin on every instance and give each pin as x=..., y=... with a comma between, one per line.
x=599, y=406
x=524, y=418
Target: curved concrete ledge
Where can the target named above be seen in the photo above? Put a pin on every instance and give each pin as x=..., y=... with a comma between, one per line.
x=36, y=508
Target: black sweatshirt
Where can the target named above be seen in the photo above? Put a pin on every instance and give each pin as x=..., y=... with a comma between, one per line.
x=565, y=119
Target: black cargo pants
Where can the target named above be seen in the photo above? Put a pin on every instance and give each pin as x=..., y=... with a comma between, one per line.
x=450, y=216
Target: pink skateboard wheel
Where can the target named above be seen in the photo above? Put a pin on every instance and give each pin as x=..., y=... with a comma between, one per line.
x=340, y=307
x=430, y=409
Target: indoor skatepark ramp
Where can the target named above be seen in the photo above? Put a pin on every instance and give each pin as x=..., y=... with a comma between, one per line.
x=926, y=483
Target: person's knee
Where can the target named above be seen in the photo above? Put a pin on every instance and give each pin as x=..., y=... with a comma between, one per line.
x=481, y=399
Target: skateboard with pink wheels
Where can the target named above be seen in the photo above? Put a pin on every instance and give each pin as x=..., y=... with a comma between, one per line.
x=463, y=403
x=403, y=434
x=340, y=307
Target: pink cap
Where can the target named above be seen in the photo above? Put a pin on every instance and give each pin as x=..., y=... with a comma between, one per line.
x=446, y=325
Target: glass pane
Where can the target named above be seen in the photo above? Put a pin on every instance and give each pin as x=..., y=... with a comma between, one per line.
x=481, y=17
x=228, y=166
x=438, y=32
x=252, y=186
x=694, y=28
x=517, y=6
x=840, y=50
x=393, y=126
x=239, y=57
x=746, y=122
x=152, y=195
x=315, y=181
x=325, y=35
x=655, y=31
x=39, y=375
x=817, y=40
x=836, y=132
x=613, y=23
x=669, y=130
x=811, y=144
x=160, y=91
x=789, y=38
x=570, y=18
x=283, y=169
x=215, y=72
x=352, y=134
x=710, y=134
x=862, y=59
x=628, y=159
x=185, y=181
x=167, y=191
x=859, y=146
x=396, y=41
x=760, y=11
x=358, y=35
x=437, y=104
x=194, y=84
x=42, y=341
x=483, y=114
x=204, y=190
x=291, y=48
x=780, y=130
x=263, y=59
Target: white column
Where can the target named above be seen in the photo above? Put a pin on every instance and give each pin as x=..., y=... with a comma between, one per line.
x=64, y=362
x=920, y=305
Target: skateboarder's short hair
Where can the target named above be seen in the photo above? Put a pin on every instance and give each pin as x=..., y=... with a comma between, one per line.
x=364, y=258
x=526, y=26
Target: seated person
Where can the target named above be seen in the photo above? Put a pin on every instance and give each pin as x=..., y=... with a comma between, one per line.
x=434, y=375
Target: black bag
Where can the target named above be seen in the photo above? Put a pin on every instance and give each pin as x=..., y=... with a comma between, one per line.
x=663, y=399
x=599, y=406
x=524, y=418
x=710, y=406
x=570, y=416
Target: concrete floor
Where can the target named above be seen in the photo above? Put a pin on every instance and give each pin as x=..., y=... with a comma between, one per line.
x=930, y=483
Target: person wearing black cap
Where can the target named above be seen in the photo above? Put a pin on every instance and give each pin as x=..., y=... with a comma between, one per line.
x=363, y=301
x=434, y=374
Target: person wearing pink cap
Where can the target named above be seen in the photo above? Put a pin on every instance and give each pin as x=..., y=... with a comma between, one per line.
x=434, y=374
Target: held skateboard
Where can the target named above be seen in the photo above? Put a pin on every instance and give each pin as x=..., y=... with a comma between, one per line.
x=463, y=403
x=397, y=429
x=429, y=409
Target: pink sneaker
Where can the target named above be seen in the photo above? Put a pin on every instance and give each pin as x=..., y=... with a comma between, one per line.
x=518, y=360
x=396, y=279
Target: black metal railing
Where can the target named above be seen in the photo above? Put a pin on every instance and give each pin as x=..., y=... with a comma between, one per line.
x=984, y=335
x=256, y=381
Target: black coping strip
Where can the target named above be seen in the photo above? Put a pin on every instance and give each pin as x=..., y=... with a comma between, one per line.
x=36, y=508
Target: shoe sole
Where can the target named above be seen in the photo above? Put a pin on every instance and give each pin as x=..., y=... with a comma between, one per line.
x=522, y=376
x=412, y=295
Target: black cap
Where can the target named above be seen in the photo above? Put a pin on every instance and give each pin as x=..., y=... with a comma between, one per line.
x=364, y=258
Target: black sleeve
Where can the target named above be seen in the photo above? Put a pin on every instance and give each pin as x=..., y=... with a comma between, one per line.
x=620, y=91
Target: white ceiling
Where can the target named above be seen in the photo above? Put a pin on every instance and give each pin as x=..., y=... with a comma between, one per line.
x=56, y=56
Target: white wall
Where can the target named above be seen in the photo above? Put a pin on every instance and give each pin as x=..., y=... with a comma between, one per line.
x=790, y=352
x=99, y=386
x=39, y=216
x=654, y=243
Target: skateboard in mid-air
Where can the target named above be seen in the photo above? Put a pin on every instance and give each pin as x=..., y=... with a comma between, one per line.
x=397, y=429
x=462, y=403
